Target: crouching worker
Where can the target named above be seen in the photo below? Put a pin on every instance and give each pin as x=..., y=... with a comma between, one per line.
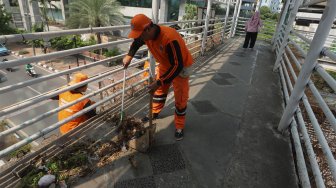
x=68, y=97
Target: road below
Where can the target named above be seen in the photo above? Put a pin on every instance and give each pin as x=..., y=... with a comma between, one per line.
x=12, y=97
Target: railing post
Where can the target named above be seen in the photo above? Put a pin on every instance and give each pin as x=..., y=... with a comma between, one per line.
x=101, y=95
x=289, y=26
x=205, y=33
x=237, y=18
x=313, y=54
x=280, y=23
x=155, y=18
x=234, y=18
x=226, y=17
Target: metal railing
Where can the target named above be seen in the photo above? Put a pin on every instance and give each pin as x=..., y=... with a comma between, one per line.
x=296, y=61
x=216, y=30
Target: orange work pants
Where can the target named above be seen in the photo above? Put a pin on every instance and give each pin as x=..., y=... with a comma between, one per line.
x=181, y=93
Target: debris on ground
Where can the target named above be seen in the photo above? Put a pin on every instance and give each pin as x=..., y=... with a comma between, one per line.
x=85, y=156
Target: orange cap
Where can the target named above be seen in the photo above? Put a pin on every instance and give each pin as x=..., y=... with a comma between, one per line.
x=78, y=77
x=138, y=24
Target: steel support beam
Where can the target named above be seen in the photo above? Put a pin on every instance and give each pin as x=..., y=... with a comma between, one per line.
x=280, y=23
x=313, y=54
x=289, y=26
x=205, y=33
x=228, y=2
x=237, y=18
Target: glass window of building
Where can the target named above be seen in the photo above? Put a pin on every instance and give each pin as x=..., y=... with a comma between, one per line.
x=138, y=3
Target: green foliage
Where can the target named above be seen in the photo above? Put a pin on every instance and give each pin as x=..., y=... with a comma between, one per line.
x=268, y=30
x=31, y=179
x=332, y=74
x=276, y=16
x=23, y=52
x=333, y=46
x=58, y=165
x=37, y=28
x=94, y=13
x=37, y=43
x=69, y=42
x=5, y=19
x=265, y=13
x=21, y=151
x=190, y=12
x=112, y=52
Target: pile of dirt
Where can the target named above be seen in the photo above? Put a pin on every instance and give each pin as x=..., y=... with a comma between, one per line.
x=85, y=156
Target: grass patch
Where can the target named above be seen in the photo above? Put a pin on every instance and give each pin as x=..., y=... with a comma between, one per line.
x=23, y=52
x=21, y=151
x=332, y=74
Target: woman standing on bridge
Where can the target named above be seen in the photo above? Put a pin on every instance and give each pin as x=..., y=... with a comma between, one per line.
x=252, y=27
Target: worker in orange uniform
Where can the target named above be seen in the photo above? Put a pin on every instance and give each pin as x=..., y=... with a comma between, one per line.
x=146, y=66
x=175, y=60
x=69, y=96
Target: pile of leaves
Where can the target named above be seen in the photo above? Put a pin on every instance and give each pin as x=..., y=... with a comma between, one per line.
x=130, y=128
x=83, y=157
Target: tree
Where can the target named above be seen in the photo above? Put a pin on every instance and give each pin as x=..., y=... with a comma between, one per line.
x=265, y=13
x=5, y=19
x=190, y=14
x=94, y=13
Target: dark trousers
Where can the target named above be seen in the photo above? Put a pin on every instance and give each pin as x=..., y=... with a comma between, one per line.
x=251, y=38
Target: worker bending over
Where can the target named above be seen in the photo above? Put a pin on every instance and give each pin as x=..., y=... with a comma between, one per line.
x=175, y=60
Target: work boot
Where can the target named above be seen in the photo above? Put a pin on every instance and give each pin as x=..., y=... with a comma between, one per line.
x=179, y=134
x=146, y=118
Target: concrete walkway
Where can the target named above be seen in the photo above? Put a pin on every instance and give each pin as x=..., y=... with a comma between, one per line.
x=230, y=140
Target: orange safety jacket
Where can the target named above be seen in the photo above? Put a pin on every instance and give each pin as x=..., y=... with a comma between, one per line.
x=65, y=98
x=169, y=49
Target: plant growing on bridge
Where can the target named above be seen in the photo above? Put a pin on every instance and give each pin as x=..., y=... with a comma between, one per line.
x=94, y=13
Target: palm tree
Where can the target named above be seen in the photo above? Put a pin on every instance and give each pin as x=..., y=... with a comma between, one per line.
x=94, y=13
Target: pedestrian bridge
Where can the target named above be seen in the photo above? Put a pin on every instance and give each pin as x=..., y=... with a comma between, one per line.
x=256, y=117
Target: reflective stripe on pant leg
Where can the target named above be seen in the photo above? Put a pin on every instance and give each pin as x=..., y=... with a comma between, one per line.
x=180, y=117
x=159, y=98
x=181, y=92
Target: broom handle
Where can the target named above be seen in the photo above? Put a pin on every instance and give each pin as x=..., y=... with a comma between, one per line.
x=123, y=93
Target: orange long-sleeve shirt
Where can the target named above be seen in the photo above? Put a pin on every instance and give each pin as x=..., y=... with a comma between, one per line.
x=169, y=49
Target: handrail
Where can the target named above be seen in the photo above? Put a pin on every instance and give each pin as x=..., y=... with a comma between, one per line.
x=60, y=73
x=51, y=112
x=41, y=99
x=47, y=130
x=52, y=34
